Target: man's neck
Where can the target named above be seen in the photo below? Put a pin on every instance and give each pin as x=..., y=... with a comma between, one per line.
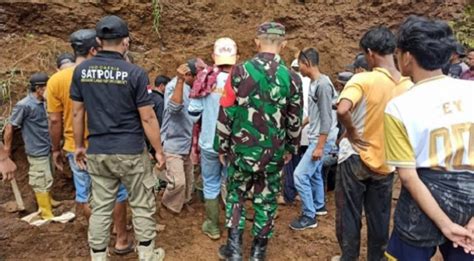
x=314, y=74
x=37, y=96
x=80, y=59
x=268, y=49
x=116, y=49
x=421, y=74
x=388, y=63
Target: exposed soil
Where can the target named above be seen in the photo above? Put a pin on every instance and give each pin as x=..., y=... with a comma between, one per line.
x=33, y=34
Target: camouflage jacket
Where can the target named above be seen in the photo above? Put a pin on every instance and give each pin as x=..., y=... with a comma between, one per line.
x=260, y=114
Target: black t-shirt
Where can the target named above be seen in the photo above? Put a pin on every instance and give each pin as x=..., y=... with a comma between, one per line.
x=112, y=90
x=159, y=103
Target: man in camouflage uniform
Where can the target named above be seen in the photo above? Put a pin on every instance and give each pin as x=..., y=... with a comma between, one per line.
x=258, y=129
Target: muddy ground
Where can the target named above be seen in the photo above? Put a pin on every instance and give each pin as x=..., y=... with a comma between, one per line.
x=32, y=34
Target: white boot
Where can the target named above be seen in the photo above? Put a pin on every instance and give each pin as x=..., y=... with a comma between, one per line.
x=149, y=253
x=99, y=256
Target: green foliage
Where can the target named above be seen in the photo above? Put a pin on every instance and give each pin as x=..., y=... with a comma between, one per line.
x=464, y=27
x=156, y=15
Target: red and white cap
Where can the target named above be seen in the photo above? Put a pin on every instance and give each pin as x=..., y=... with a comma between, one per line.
x=225, y=51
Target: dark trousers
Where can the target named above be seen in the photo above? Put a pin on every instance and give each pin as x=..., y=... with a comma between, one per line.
x=289, y=190
x=358, y=187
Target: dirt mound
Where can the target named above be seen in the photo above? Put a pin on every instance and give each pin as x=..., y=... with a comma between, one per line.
x=33, y=34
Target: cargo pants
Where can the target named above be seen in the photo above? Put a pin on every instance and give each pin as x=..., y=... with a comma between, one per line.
x=40, y=173
x=107, y=172
x=265, y=188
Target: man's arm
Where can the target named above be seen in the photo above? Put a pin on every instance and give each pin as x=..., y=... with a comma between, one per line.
x=350, y=96
x=56, y=133
x=294, y=116
x=177, y=96
x=7, y=166
x=152, y=131
x=8, y=138
x=78, y=114
x=225, y=118
x=324, y=95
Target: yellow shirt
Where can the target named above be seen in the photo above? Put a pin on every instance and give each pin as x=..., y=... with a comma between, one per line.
x=369, y=93
x=57, y=98
x=432, y=126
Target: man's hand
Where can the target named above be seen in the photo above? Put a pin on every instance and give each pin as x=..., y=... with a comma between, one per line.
x=161, y=160
x=287, y=157
x=460, y=236
x=222, y=159
x=182, y=70
x=80, y=158
x=357, y=142
x=58, y=160
x=7, y=168
x=317, y=154
x=470, y=228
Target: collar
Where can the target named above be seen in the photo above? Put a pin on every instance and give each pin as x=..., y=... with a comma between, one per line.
x=110, y=54
x=34, y=99
x=157, y=92
x=269, y=56
x=434, y=78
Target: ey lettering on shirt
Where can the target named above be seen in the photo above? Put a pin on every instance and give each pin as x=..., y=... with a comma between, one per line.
x=369, y=92
x=112, y=90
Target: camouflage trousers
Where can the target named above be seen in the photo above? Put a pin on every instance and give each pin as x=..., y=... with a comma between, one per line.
x=264, y=187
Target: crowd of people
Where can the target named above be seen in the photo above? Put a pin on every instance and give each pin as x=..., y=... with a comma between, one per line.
x=264, y=132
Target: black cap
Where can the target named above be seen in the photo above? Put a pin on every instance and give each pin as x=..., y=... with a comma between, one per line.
x=39, y=79
x=460, y=50
x=344, y=77
x=111, y=27
x=64, y=58
x=83, y=40
x=359, y=62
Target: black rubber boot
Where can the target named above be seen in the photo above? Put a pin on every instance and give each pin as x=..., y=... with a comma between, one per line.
x=232, y=251
x=259, y=249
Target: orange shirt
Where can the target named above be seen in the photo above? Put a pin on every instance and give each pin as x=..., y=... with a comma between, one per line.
x=369, y=93
x=57, y=98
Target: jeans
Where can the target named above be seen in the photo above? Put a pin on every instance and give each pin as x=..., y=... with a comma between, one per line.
x=357, y=188
x=309, y=180
x=212, y=174
x=82, y=183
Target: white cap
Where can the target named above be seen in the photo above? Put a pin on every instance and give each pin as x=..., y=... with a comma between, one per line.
x=225, y=52
x=294, y=63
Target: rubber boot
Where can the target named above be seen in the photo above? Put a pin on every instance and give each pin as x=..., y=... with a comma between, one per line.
x=44, y=205
x=149, y=253
x=259, y=249
x=99, y=256
x=232, y=251
x=210, y=227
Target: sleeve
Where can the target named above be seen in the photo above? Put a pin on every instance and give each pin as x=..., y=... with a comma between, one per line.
x=398, y=149
x=18, y=115
x=325, y=93
x=170, y=106
x=195, y=108
x=294, y=115
x=53, y=101
x=353, y=90
x=226, y=111
x=75, y=92
x=142, y=97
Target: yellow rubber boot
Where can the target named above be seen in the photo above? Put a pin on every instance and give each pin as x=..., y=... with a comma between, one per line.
x=44, y=204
